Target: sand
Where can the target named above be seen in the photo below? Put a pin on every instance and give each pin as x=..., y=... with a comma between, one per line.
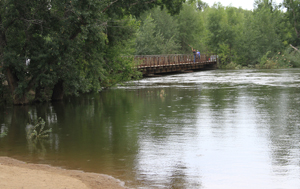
x=15, y=174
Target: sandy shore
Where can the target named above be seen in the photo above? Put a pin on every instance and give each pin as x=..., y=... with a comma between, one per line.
x=16, y=174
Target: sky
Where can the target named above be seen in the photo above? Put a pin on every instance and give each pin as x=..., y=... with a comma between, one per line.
x=245, y=4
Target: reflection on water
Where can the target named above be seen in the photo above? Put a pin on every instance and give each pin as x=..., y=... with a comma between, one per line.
x=213, y=129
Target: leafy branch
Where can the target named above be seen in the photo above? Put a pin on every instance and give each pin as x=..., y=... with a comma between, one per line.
x=3, y=134
x=36, y=129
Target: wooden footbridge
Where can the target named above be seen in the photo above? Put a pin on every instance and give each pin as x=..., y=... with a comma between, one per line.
x=155, y=64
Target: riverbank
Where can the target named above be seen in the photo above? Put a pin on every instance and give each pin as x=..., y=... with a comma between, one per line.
x=18, y=174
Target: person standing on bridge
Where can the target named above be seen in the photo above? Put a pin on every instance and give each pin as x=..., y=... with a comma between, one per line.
x=194, y=52
x=198, y=54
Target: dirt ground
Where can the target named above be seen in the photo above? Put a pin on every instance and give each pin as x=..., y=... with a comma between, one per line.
x=15, y=174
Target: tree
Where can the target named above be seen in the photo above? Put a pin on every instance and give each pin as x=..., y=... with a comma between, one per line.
x=261, y=34
x=293, y=14
x=65, y=43
x=258, y=4
x=201, y=5
x=148, y=41
x=158, y=33
x=165, y=23
x=223, y=25
x=190, y=26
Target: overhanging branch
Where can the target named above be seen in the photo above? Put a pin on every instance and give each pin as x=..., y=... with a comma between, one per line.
x=109, y=6
x=295, y=48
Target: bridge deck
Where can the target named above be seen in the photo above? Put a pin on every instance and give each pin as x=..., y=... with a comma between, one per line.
x=151, y=64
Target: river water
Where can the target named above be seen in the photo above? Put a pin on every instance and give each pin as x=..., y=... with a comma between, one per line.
x=210, y=129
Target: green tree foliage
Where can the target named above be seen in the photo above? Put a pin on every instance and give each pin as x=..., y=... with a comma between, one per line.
x=190, y=27
x=293, y=14
x=201, y=5
x=158, y=34
x=246, y=36
x=69, y=46
x=261, y=33
x=148, y=42
x=214, y=27
x=164, y=23
x=224, y=26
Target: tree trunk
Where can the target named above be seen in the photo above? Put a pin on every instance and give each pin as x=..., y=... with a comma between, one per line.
x=38, y=94
x=58, y=91
x=13, y=84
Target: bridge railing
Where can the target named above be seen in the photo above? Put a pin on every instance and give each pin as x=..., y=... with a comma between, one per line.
x=142, y=61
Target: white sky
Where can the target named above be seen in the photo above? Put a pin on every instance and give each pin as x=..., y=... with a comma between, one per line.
x=245, y=4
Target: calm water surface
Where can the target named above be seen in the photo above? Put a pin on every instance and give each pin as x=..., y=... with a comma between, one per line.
x=212, y=129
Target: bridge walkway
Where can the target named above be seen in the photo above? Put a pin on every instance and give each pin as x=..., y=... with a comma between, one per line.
x=153, y=64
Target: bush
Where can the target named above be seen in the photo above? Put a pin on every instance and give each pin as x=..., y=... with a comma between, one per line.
x=277, y=60
x=293, y=57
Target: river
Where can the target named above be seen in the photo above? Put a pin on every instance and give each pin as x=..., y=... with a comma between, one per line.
x=208, y=129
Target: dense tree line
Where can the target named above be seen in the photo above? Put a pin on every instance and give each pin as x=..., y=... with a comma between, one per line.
x=49, y=48
x=265, y=37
